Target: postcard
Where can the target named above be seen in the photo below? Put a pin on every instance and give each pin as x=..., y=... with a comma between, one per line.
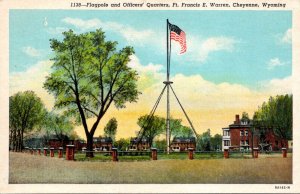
x=149, y=96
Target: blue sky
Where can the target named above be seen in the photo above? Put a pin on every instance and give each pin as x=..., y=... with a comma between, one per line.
x=245, y=47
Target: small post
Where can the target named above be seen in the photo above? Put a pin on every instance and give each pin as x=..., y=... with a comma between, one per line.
x=154, y=153
x=31, y=151
x=115, y=154
x=284, y=152
x=51, y=152
x=191, y=153
x=45, y=151
x=255, y=152
x=39, y=151
x=60, y=153
x=70, y=152
x=226, y=153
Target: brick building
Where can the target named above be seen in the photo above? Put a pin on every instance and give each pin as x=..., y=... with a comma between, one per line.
x=182, y=144
x=102, y=143
x=136, y=144
x=239, y=136
x=55, y=143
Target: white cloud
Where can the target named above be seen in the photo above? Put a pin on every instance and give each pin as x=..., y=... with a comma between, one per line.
x=275, y=62
x=132, y=35
x=30, y=51
x=214, y=44
x=83, y=24
x=199, y=48
x=56, y=30
x=32, y=79
x=149, y=75
x=279, y=86
x=287, y=37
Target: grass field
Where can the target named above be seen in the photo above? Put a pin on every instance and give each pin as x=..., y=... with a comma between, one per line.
x=26, y=168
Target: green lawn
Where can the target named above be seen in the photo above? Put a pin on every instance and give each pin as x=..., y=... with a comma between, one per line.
x=26, y=168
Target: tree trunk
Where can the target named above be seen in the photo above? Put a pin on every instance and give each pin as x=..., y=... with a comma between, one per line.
x=14, y=141
x=252, y=146
x=18, y=137
x=21, y=140
x=89, y=146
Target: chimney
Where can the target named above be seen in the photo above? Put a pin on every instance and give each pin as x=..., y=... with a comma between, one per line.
x=237, y=119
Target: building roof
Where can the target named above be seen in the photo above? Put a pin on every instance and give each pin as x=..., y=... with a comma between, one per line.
x=135, y=139
x=102, y=140
x=184, y=140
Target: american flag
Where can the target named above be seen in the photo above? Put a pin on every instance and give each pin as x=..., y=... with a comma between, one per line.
x=178, y=35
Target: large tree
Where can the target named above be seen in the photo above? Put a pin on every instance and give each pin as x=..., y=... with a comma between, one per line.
x=204, y=141
x=151, y=126
x=122, y=144
x=155, y=126
x=216, y=142
x=110, y=128
x=88, y=75
x=276, y=114
x=26, y=111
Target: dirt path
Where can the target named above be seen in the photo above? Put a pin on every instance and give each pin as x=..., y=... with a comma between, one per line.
x=26, y=168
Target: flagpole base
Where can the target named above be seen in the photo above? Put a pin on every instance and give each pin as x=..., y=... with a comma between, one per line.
x=167, y=82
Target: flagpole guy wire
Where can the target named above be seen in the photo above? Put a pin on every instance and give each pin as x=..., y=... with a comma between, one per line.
x=167, y=86
x=150, y=116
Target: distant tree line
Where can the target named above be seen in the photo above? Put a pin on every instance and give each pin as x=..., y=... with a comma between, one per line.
x=276, y=114
x=207, y=142
x=28, y=117
x=155, y=126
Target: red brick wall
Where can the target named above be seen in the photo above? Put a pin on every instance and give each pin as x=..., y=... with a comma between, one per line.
x=271, y=138
x=235, y=137
x=276, y=142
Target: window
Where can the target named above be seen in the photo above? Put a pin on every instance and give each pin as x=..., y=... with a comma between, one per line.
x=226, y=143
x=246, y=133
x=242, y=133
x=246, y=142
x=226, y=133
x=242, y=142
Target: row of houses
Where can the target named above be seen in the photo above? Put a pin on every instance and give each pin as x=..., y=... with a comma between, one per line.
x=237, y=136
x=106, y=144
x=178, y=144
x=241, y=135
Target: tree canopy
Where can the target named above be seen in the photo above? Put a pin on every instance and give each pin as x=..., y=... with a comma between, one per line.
x=26, y=112
x=276, y=114
x=152, y=126
x=110, y=128
x=88, y=75
x=155, y=126
x=58, y=125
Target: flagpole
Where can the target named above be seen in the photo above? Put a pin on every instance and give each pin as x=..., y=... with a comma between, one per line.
x=167, y=83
